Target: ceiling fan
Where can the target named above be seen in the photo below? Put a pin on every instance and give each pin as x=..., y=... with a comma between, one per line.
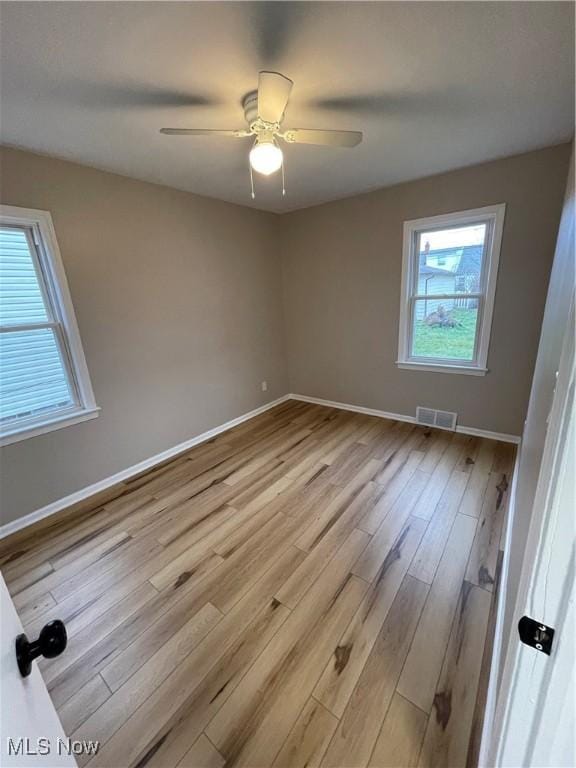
x=264, y=112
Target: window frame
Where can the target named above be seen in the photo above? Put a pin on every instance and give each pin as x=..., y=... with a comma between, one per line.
x=60, y=316
x=493, y=216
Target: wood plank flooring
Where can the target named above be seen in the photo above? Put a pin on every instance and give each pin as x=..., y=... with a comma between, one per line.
x=312, y=588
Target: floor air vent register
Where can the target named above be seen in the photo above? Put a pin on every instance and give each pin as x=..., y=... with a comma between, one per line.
x=433, y=418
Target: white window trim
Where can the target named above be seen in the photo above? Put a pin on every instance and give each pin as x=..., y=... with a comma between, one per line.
x=494, y=214
x=45, y=239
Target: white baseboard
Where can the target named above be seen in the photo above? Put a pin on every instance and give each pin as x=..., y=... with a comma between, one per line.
x=102, y=485
x=502, y=436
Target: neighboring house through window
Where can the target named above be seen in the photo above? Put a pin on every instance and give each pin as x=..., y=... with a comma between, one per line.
x=44, y=381
x=450, y=265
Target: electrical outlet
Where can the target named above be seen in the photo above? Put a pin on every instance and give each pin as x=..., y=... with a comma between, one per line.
x=264, y=386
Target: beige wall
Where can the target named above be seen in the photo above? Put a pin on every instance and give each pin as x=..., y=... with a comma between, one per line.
x=342, y=267
x=178, y=301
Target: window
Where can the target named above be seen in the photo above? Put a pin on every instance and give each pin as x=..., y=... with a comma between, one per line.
x=450, y=264
x=44, y=381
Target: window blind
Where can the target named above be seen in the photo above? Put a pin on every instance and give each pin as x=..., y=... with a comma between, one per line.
x=34, y=378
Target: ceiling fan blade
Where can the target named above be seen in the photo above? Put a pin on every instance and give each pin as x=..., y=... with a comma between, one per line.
x=203, y=132
x=273, y=94
x=327, y=138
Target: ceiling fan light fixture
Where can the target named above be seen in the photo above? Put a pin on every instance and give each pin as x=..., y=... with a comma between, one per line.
x=266, y=157
x=264, y=111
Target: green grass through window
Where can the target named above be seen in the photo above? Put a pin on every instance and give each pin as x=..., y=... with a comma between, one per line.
x=443, y=342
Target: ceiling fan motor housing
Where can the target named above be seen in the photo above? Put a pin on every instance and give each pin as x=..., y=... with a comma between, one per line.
x=262, y=129
x=250, y=104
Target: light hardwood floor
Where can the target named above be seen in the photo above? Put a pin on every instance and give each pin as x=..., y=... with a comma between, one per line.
x=310, y=588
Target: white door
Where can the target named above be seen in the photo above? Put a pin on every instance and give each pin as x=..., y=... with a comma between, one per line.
x=30, y=731
x=535, y=711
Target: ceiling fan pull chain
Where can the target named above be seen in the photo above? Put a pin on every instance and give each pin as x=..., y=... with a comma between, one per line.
x=251, y=181
x=283, y=180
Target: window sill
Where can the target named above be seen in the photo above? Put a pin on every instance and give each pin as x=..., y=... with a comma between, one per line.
x=66, y=420
x=441, y=368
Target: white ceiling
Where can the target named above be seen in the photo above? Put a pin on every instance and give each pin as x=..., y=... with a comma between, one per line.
x=433, y=86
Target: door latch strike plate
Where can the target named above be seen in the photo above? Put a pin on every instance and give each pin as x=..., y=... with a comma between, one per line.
x=535, y=634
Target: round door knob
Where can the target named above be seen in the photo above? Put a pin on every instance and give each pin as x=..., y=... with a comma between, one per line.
x=51, y=642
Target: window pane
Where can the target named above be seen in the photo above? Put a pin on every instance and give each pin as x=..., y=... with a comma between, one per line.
x=21, y=299
x=32, y=375
x=444, y=328
x=450, y=260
